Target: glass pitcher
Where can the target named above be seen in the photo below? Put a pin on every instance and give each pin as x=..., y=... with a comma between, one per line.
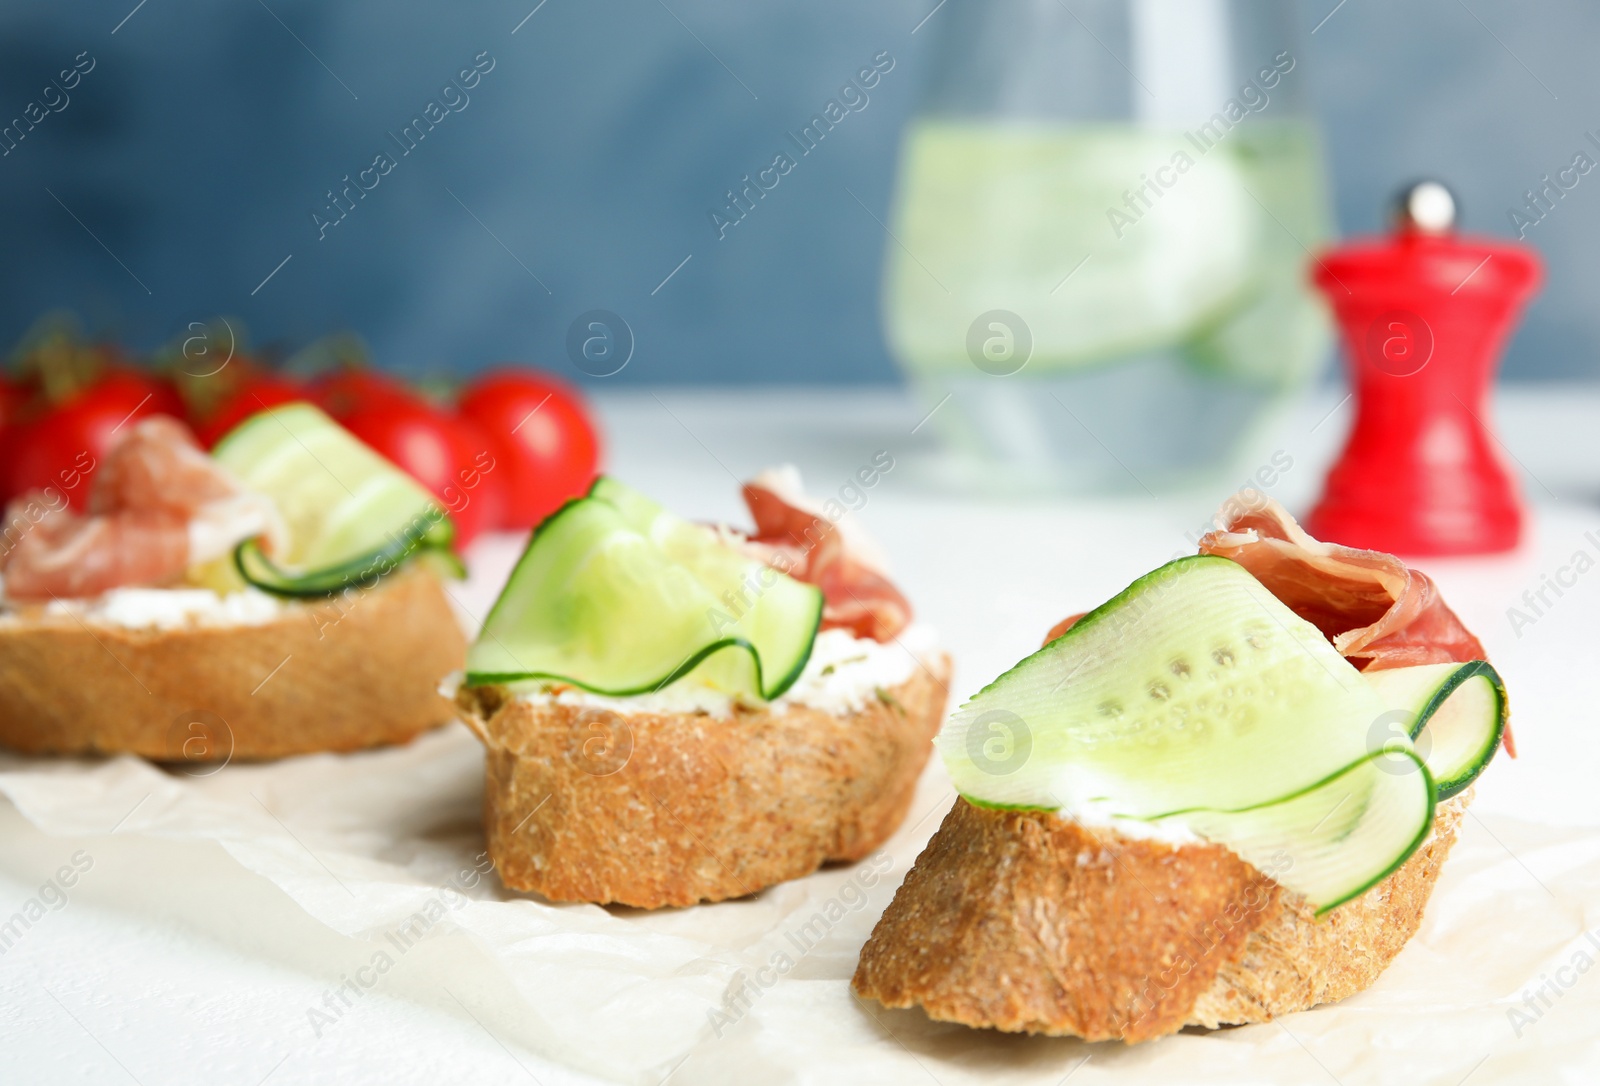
x=1103, y=217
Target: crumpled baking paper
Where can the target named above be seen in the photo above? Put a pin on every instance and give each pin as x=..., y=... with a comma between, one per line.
x=1502, y=983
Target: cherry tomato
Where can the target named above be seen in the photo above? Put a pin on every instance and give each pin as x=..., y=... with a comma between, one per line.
x=60, y=446
x=545, y=442
x=446, y=454
x=346, y=391
x=257, y=393
x=158, y=396
x=478, y=495
x=12, y=397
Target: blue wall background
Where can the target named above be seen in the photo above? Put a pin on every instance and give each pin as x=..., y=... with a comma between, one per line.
x=584, y=167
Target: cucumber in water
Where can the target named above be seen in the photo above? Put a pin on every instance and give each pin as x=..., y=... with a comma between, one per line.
x=1195, y=696
x=618, y=596
x=1454, y=713
x=351, y=514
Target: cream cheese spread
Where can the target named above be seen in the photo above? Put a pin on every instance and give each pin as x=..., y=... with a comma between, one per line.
x=843, y=675
x=171, y=608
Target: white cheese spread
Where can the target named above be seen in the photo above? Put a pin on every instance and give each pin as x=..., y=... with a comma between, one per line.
x=171, y=608
x=843, y=675
x=1092, y=816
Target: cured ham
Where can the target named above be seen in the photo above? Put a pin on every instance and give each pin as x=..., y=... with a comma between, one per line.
x=1377, y=612
x=65, y=554
x=1063, y=626
x=794, y=534
x=159, y=466
x=158, y=505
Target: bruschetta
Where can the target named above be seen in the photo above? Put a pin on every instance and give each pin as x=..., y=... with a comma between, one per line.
x=1222, y=796
x=677, y=713
x=282, y=595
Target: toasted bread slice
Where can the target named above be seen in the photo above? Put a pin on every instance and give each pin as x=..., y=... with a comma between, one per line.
x=653, y=809
x=1028, y=922
x=330, y=675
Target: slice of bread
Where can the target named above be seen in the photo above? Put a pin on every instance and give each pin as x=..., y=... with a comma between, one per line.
x=652, y=809
x=327, y=675
x=1028, y=922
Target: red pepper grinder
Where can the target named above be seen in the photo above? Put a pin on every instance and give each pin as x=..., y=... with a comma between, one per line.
x=1425, y=313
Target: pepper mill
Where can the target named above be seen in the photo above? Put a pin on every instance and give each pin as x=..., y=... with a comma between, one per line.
x=1424, y=313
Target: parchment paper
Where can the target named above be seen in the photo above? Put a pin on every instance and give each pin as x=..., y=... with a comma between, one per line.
x=1496, y=987
x=1499, y=986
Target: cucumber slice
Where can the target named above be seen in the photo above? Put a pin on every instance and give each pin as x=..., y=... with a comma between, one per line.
x=618, y=596
x=351, y=514
x=1455, y=713
x=1195, y=697
x=1176, y=694
x=1339, y=838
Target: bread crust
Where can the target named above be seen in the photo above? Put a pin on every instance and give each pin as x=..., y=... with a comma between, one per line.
x=330, y=675
x=655, y=809
x=1028, y=922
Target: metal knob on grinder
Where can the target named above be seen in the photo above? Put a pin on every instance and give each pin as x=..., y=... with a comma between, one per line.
x=1424, y=314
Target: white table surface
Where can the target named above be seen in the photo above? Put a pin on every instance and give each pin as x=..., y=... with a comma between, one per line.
x=151, y=974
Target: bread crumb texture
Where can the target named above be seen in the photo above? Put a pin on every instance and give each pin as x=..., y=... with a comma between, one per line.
x=652, y=809
x=1028, y=922
x=340, y=674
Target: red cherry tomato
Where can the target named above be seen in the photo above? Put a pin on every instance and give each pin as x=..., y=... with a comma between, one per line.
x=444, y=453
x=12, y=397
x=60, y=446
x=156, y=395
x=258, y=393
x=545, y=443
x=345, y=391
x=479, y=491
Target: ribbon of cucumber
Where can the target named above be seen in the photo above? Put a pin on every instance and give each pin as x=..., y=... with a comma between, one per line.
x=1196, y=698
x=1336, y=840
x=617, y=596
x=352, y=515
x=1455, y=714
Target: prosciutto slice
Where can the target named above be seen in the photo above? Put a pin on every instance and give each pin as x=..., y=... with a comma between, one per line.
x=159, y=466
x=795, y=535
x=63, y=554
x=157, y=506
x=1377, y=612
